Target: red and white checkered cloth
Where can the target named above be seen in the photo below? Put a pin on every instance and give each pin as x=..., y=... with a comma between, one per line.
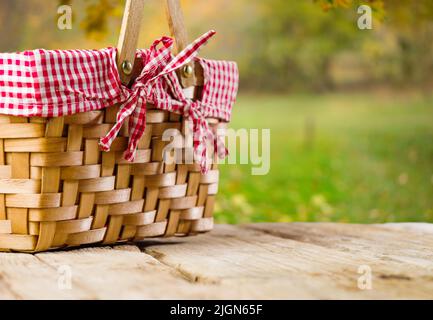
x=54, y=83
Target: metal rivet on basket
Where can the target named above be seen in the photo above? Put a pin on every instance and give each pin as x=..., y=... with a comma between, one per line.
x=127, y=67
x=187, y=71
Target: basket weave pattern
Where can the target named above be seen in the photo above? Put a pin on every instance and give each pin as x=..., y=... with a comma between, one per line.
x=57, y=189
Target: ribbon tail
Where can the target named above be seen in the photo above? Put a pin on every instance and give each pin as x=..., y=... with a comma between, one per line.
x=137, y=127
x=187, y=54
x=125, y=111
x=220, y=147
x=201, y=149
x=202, y=134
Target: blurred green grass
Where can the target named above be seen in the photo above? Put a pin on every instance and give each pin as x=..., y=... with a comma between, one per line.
x=368, y=159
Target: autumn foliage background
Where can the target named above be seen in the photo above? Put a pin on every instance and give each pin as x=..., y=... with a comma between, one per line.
x=350, y=110
x=279, y=44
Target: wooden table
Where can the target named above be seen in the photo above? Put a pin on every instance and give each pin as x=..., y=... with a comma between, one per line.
x=260, y=261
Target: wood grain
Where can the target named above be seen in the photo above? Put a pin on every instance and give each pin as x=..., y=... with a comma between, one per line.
x=178, y=30
x=129, y=34
x=259, y=261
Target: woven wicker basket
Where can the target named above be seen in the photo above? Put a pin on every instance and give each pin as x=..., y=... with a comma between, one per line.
x=58, y=189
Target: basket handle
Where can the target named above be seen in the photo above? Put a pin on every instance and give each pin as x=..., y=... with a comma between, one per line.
x=128, y=40
x=176, y=23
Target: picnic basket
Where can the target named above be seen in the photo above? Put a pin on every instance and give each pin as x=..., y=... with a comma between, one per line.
x=62, y=186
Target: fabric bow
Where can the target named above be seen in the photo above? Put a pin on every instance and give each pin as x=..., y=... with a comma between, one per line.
x=159, y=64
x=201, y=131
x=197, y=112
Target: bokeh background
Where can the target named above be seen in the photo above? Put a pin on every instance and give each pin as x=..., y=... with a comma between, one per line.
x=350, y=110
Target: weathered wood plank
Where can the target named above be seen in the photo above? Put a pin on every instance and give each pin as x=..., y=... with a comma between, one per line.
x=308, y=260
x=419, y=228
x=376, y=241
x=260, y=261
x=24, y=276
x=123, y=273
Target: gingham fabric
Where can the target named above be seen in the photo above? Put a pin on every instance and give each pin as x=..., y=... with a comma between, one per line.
x=53, y=83
x=219, y=94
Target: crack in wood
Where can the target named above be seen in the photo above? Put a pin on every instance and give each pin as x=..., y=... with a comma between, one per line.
x=262, y=261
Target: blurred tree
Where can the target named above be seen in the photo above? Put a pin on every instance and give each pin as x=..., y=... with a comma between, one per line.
x=295, y=44
x=11, y=23
x=279, y=44
x=97, y=15
x=411, y=24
